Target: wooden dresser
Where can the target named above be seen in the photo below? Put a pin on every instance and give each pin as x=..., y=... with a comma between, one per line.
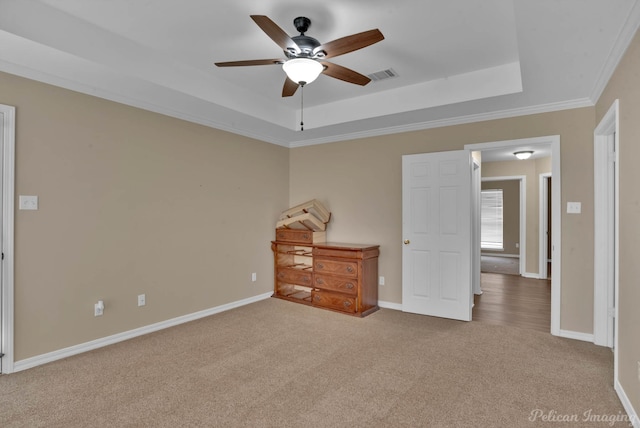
x=335, y=276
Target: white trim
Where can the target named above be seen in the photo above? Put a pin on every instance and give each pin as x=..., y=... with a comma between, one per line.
x=543, y=205
x=119, y=337
x=556, y=236
x=531, y=275
x=576, y=335
x=556, y=214
x=512, y=256
x=476, y=256
x=606, y=215
x=634, y=419
x=522, y=179
x=439, y=123
x=390, y=305
x=8, y=114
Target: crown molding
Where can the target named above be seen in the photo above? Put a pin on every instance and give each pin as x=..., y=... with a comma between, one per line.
x=461, y=120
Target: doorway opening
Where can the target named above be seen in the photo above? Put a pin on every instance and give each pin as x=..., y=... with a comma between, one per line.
x=509, y=256
x=506, y=149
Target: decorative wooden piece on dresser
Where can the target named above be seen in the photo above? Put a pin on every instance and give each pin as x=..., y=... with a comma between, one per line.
x=335, y=276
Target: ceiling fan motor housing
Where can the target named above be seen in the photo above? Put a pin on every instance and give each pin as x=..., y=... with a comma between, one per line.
x=307, y=46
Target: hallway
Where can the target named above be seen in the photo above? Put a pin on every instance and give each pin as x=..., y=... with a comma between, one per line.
x=515, y=301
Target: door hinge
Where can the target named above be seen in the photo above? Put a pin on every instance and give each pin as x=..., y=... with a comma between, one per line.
x=2, y=256
x=1, y=355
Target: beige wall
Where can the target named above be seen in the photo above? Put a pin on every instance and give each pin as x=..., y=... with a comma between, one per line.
x=132, y=202
x=531, y=169
x=625, y=86
x=360, y=181
x=511, y=215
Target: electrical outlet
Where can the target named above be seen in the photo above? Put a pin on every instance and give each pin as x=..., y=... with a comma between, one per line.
x=142, y=299
x=381, y=280
x=254, y=277
x=98, y=309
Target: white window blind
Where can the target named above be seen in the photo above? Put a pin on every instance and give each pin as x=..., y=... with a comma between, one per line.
x=491, y=220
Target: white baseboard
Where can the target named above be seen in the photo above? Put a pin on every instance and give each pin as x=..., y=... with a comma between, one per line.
x=390, y=305
x=119, y=337
x=513, y=256
x=568, y=334
x=634, y=419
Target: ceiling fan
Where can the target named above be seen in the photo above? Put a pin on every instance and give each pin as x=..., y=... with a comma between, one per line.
x=306, y=56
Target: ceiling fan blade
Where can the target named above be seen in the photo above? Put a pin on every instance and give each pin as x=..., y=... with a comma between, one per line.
x=276, y=33
x=249, y=62
x=290, y=87
x=350, y=43
x=343, y=73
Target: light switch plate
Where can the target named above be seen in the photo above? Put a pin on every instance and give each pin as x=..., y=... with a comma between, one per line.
x=28, y=202
x=574, y=207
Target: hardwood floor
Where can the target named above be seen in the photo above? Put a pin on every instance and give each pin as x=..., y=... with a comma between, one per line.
x=514, y=300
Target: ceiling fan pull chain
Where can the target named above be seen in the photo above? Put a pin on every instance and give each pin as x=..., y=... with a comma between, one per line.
x=301, y=107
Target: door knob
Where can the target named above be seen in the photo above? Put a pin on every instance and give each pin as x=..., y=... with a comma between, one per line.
x=407, y=242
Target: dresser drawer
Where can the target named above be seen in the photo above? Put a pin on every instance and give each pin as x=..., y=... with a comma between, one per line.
x=337, y=301
x=349, y=269
x=300, y=236
x=294, y=276
x=335, y=283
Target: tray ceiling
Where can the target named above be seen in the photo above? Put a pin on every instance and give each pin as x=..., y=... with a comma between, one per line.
x=456, y=61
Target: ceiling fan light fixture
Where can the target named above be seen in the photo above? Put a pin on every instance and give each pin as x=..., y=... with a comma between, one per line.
x=302, y=70
x=522, y=155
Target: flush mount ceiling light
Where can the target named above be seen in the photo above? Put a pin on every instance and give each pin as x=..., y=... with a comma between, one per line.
x=522, y=155
x=302, y=70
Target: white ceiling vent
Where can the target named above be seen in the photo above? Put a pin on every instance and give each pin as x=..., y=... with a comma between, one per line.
x=383, y=75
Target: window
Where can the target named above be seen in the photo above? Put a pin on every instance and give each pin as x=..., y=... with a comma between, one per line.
x=491, y=220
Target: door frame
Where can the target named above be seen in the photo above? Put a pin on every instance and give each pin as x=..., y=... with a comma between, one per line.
x=543, y=240
x=556, y=218
x=606, y=216
x=522, y=230
x=476, y=186
x=8, y=131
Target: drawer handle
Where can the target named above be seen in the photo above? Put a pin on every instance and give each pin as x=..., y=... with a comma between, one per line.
x=305, y=236
x=319, y=281
x=350, y=269
x=317, y=298
x=305, y=279
x=281, y=275
x=349, y=286
x=320, y=266
x=347, y=304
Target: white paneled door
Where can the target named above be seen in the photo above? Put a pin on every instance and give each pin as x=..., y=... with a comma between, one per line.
x=436, y=227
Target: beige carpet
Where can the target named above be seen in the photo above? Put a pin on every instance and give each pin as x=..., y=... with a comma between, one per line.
x=280, y=364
